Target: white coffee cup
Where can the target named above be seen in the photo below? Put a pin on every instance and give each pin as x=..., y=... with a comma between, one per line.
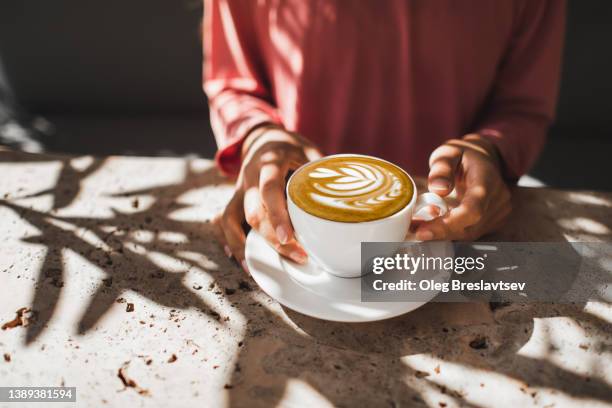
x=336, y=246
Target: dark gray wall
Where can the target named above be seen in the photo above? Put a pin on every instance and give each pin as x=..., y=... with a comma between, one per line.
x=585, y=101
x=103, y=57
x=580, y=143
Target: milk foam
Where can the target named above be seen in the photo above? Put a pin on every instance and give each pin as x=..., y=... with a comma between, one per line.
x=355, y=186
x=351, y=188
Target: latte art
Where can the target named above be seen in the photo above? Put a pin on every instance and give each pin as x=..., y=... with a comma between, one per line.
x=355, y=186
x=351, y=188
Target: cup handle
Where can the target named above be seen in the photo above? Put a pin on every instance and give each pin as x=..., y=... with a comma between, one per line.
x=426, y=200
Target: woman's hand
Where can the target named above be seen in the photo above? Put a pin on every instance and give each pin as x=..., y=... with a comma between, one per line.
x=471, y=166
x=268, y=154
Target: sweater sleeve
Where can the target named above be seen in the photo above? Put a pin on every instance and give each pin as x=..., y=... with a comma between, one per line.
x=523, y=101
x=234, y=78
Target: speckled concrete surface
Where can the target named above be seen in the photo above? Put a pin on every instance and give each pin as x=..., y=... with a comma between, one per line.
x=84, y=240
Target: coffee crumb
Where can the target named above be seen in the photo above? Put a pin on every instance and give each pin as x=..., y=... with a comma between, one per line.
x=421, y=374
x=24, y=317
x=245, y=286
x=197, y=287
x=452, y=393
x=7, y=357
x=228, y=386
x=172, y=358
x=479, y=343
x=437, y=369
x=135, y=203
x=128, y=382
x=120, y=300
x=129, y=307
x=584, y=346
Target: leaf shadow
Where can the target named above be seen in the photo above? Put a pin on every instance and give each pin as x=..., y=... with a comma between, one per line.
x=123, y=260
x=347, y=364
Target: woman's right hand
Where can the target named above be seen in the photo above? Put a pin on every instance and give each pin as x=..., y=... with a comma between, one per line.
x=268, y=154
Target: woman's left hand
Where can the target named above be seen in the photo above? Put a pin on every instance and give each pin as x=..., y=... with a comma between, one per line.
x=472, y=167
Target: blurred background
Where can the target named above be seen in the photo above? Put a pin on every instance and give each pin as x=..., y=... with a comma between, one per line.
x=124, y=77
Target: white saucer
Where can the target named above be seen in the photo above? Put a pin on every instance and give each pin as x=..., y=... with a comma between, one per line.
x=310, y=290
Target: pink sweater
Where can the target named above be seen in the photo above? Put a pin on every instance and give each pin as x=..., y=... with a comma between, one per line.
x=389, y=78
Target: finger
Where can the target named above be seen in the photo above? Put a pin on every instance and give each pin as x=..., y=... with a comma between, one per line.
x=497, y=214
x=470, y=211
x=253, y=209
x=292, y=250
x=443, y=164
x=299, y=158
x=271, y=188
x=217, y=224
x=258, y=218
x=219, y=220
x=232, y=229
x=432, y=230
x=472, y=208
x=312, y=153
x=494, y=224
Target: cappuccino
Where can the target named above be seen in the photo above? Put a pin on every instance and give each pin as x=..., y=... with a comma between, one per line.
x=349, y=188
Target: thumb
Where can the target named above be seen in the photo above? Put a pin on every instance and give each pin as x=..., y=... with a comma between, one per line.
x=443, y=165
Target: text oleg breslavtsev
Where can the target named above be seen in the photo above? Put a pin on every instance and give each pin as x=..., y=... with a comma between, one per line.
x=455, y=285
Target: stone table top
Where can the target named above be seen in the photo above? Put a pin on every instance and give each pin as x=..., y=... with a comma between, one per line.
x=124, y=284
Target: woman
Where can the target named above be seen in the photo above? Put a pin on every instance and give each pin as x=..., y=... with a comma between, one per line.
x=462, y=92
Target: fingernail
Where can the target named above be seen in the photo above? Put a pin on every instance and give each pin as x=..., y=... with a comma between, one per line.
x=298, y=257
x=244, y=265
x=282, y=234
x=228, y=251
x=439, y=185
x=424, y=235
